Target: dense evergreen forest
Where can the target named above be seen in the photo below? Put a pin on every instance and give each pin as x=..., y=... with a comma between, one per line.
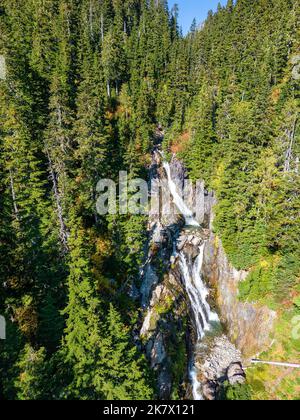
x=87, y=83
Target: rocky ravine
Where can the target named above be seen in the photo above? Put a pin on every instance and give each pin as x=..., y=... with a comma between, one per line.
x=165, y=327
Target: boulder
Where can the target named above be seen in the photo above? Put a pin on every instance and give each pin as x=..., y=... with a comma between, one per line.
x=209, y=390
x=236, y=374
x=196, y=241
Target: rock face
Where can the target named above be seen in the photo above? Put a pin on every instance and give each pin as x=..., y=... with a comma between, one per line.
x=236, y=374
x=209, y=390
x=249, y=325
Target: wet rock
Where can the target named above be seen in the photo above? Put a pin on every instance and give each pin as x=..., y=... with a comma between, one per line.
x=149, y=347
x=191, y=251
x=249, y=325
x=157, y=237
x=162, y=295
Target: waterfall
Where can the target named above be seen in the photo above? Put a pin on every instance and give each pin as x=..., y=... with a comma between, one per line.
x=203, y=315
x=197, y=292
x=196, y=385
x=179, y=202
x=195, y=287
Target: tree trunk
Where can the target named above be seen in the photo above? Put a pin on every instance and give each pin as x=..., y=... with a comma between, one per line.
x=63, y=234
x=13, y=194
x=289, y=153
x=91, y=19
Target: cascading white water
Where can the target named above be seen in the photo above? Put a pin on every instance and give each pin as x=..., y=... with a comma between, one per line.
x=196, y=385
x=197, y=292
x=195, y=287
x=179, y=202
x=203, y=315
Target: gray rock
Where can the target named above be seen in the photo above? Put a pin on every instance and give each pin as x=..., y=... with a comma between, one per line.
x=149, y=347
x=214, y=362
x=236, y=374
x=158, y=352
x=164, y=384
x=149, y=323
x=150, y=280
x=209, y=390
x=157, y=294
x=196, y=241
x=191, y=251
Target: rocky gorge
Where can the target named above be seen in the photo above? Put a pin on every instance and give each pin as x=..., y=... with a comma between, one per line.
x=195, y=331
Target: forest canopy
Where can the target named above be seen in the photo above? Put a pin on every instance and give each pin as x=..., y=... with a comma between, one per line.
x=87, y=82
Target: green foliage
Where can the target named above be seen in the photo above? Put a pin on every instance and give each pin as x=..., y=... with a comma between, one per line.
x=179, y=360
x=119, y=367
x=244, y=120
x=98, y=348
x=32, y=364
x=79, y=105
x=88, y=82
x=244, y=124
x=236, y=392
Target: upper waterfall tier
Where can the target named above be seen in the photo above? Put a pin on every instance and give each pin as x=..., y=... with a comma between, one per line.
x=178, y=201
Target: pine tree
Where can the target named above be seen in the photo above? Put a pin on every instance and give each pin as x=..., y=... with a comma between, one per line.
x=98, y=347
